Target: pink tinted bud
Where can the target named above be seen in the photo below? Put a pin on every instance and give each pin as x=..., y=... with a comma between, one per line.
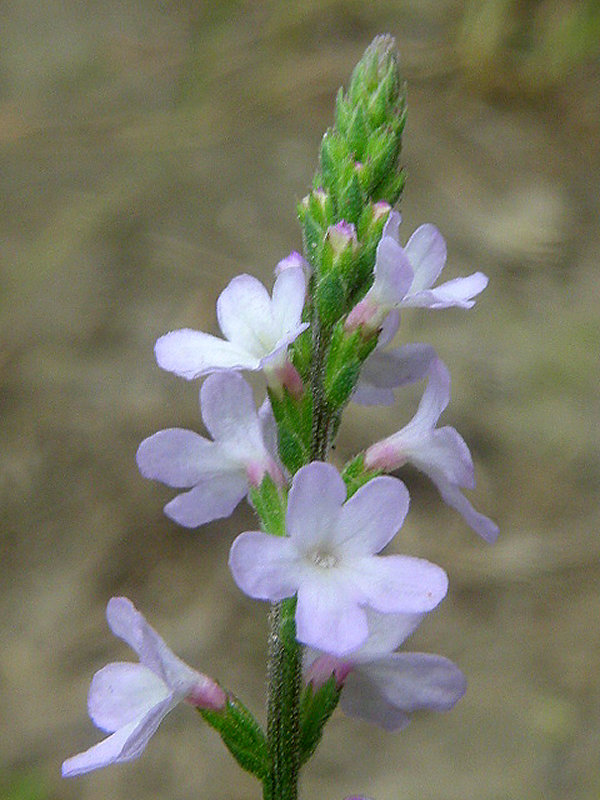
x=206, y=693
x=341, y=236
x=381, y=209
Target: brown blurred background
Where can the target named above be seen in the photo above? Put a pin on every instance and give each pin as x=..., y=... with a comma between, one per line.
x=149, y=152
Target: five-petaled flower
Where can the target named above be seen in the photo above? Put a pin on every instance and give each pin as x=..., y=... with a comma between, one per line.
x=404, y=276
x=219, y=472
x=257, y=330
x=129, y=701
x=328, y=559
x=383, y=686
x=441, y=453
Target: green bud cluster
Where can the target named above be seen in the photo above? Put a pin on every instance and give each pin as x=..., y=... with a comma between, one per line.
x=359, y=180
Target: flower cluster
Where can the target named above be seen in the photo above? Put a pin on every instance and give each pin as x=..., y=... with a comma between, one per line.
x=321, y=340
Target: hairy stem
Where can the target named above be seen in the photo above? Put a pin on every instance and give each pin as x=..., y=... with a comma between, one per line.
x=284, y=678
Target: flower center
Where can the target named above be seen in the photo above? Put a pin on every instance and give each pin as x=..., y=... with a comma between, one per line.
x=324, y=559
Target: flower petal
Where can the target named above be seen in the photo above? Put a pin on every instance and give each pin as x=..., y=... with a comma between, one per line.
x=126, y=622
x=314, y=504
x=362, y=699
x=392, y=226
x=389, y=328
x=452, y=495
x=263, y=566
x=372, y=516
x=386, y=633
x=399, y=584
x=122, y=693
x=426, y=251
x=190, y=354
x=178, y=457
x=328, y=615
x=245, y=316
x=413, y=681
x=268, y=427
x=393, y=274
x=392, y=368
x=229, y=413
x=214, y=497
x=457, y=292
x=289, y=294
x=445, y=453
x=124, y=745
x=434, y=400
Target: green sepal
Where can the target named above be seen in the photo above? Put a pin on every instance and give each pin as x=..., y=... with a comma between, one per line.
x=334, y=155
x=242, y=735
x=391, y=188
x=312, y=235
x=301, y=353
x=355, y=474
x=343, y=112
x=330, y=299
x=357, y=132
x=382, y=100
x=341, y=384
x=346, y=356
x=316, y=707
x=294, y=425
x=269, y=502
x=351, y=198
x=382, y=153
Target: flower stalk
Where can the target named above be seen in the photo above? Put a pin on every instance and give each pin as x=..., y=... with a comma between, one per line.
x=284, y=684
x=375, y=98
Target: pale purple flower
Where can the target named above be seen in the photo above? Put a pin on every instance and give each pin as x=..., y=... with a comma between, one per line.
x=404, y=277
x=129, y=701
x=328, y=559
x=441, y=453
x=217, y=473
x=385, y=687
x=257, y=329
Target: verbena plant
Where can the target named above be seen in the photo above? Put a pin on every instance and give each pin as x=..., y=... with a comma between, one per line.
x=338, y=610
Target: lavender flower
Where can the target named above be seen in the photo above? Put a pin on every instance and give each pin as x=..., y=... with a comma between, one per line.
x=441, y=453
x=382, y=686
x=404, y=277
x=328, y=559
x=219, y=472
x=130, y=700
x=257, y=329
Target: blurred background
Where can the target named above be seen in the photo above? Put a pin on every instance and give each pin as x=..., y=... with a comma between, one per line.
x=149, y=152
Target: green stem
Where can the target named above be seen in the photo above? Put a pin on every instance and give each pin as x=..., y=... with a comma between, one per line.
x=285, y=654
x=283, y=703
x=321, y=416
